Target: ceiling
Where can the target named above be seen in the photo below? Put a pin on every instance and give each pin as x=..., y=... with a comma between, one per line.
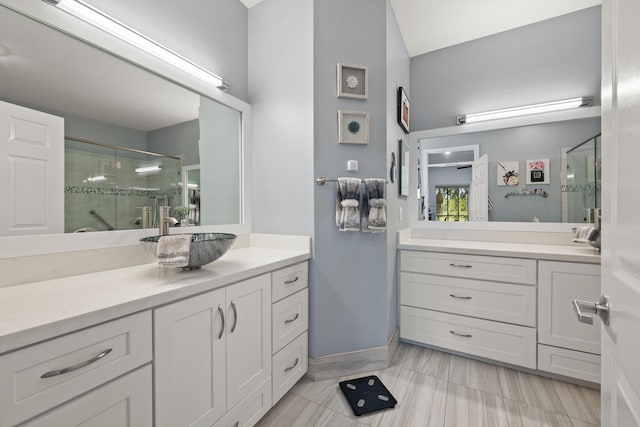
x=428, y=25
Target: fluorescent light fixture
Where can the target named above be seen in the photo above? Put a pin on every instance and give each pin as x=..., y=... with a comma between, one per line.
x=97, y=178
x=144, y=169
x=546, y=107
x=101, y=20
x=192, y=185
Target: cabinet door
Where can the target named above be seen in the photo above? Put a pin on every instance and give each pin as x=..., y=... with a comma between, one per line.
x=248, y=337
x=559, y=284
x=125, y=402
x=189, y=344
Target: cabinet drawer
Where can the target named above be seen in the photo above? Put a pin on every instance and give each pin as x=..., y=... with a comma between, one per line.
x=290, y=318
x=488, y=300
x=289, y=280
x=125, y=402
x=250, y=409
x=506, y=343
x=571, y=363
x=124, y=343
x=512, y=270
x=289, y=365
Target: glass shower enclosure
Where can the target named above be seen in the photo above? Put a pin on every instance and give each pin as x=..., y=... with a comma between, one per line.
x=581, y=180
x=115, y=188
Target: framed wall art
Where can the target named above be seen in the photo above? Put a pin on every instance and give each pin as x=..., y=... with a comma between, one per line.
x=403, y=110
x=508, y=173
x=353, y=127
x=538, y=171
x=353, y=81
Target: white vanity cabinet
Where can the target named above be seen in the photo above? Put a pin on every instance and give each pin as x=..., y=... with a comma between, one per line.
x=290, y=316
x=566, y=346
x=480, y=305
x=35, y=379
x=211, y=352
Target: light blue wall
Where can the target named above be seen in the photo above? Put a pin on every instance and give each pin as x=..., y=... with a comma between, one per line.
x=97, y=131
x=348, y=278
x=398, y=74
x=177, y=139
x=212, y=34
x=554, y=59
x=281, y=97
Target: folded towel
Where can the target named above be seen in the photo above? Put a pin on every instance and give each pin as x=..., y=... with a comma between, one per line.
x=347, y=204
x=585, y=234
x=374, y=206
x=173, y=251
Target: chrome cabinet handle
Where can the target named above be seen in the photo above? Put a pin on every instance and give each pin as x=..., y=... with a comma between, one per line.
x=459, y=297
x=460, y=265
x=94, y=359
x=235, y=316
x=460, y=334
x=293, y=319
x=294, y=280
x=221, y=311
x=601, y=308
x=288, y=368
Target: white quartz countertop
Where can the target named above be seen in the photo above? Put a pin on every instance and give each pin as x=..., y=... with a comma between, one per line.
x=33, y=312
x=514, y=250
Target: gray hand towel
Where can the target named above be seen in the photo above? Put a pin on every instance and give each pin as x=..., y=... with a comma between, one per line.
x=348, y=204
x=374, y=206
x=173, y=250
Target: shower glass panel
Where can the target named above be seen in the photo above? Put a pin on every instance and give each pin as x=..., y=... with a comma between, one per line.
x=115, y=188
x=581, y=181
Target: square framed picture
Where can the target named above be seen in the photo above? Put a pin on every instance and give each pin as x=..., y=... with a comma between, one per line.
x=508, y=173
x=353, y=127
x=353, y=81
x=403, y=110
x=538, y=171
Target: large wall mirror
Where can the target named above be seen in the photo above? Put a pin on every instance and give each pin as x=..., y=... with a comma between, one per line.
x=131, y=136
x=546, y=172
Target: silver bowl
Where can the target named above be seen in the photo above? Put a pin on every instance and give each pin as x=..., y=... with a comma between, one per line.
x=205, y=247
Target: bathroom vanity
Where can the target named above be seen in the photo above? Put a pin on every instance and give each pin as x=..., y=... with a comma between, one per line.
x=503, y=301
x=146, y=345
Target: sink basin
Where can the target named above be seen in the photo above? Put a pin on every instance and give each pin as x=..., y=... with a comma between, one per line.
x=205, y=247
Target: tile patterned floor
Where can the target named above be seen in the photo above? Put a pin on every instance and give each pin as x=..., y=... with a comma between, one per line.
x=442, y=390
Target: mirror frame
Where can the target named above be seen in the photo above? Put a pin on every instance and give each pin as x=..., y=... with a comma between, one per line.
x=414, y=137
x=59, y=20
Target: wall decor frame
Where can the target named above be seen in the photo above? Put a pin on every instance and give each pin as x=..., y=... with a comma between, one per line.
x=538, y=171
x=353, y=127
x=508, y=173
x=353, y=81
x=404, y=107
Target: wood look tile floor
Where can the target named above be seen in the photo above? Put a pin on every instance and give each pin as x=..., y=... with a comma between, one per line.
x=442, y=390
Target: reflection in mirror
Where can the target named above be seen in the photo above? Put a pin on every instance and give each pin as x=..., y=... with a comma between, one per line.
x=105, y=99
x=527, y=177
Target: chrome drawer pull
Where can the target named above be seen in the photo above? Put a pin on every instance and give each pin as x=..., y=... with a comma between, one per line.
x=460, y=335
x=459, y=297
x=293, y=319
x=294, y=280
x=460, y=265
x=235, y=316
x=288, y=368
x=221, y=311
x=76, y=367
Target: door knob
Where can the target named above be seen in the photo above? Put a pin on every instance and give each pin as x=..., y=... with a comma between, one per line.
x=583, y=310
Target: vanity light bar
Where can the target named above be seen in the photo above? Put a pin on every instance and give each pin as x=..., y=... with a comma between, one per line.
x=101, y=20
x=148, y=169
x=546, y=107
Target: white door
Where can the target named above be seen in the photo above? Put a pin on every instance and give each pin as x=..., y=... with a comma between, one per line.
x=189, y=361
x=479, y=192
x=31, y=171
x=621, y=212
x=248, y=337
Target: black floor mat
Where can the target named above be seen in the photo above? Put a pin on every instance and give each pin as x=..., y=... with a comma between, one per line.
x=367, y=394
